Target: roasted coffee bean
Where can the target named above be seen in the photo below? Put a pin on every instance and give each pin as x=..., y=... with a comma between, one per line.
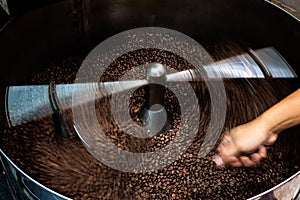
x=68, y=168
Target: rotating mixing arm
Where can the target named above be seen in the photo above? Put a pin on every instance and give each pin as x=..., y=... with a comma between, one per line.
x=28, y=103
x=262, y=63
x=92, y=91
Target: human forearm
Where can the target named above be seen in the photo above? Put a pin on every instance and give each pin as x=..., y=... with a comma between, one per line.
x=254, y=135
x=284, y=114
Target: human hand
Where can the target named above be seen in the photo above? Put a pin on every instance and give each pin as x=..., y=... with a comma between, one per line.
x=244, y=145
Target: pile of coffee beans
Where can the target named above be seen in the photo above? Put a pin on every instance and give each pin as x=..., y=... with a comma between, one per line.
x=64, y=165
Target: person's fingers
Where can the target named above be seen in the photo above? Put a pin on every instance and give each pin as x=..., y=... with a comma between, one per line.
x=236, y=164
x=228, y=152
x=262, y=151
x=270, y=140
x=256, y=157
x=218, y=160
x=246, y=161
x=232, y=159
x=227, y=148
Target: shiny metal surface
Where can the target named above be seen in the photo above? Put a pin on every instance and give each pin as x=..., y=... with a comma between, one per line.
x=154, y=119
x=154, y=116
x=261, y=63
x=22, y=186
x=287, y=190
x=273, y=64
x=156, y=73
x=28, y=103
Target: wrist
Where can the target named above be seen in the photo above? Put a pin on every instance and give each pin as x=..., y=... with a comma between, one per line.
x=283, y=115
x=269, y=123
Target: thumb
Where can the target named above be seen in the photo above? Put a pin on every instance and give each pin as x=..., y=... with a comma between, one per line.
x=270, y=140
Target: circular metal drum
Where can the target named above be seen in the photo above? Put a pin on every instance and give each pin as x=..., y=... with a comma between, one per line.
x=259, y=63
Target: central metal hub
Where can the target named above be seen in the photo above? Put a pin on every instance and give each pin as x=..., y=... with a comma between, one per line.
x=155, y=91
x=155, y=116
x=156, y=73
